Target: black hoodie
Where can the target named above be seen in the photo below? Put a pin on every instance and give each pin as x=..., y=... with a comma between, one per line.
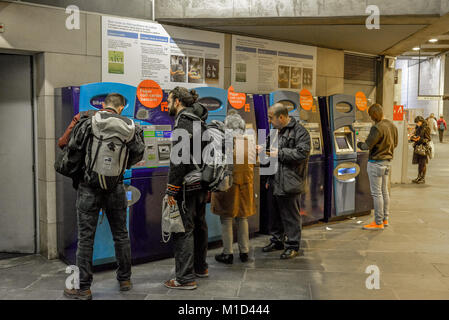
x=179, y=171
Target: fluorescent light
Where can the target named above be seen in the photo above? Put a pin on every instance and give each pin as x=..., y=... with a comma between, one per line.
x=416, y=48
x=433, y=40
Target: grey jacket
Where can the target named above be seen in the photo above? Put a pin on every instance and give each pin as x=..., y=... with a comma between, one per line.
x=293, y=157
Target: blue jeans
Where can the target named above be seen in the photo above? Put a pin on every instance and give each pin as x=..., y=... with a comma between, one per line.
x=378, y=173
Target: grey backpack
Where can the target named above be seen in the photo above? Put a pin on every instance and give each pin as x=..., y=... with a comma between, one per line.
x=107, y=152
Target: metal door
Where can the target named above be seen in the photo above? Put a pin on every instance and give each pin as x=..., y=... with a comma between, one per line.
x=17, y=201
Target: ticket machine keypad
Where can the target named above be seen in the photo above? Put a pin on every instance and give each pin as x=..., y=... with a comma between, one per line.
x=157, y=139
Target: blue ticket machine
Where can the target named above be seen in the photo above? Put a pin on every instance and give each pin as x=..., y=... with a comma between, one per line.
x=145, y=182
x=216, y=101
x=338, y=115
x=312, y=201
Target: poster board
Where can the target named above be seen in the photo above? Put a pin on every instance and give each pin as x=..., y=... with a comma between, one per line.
x=134, y=50
x=263, y=66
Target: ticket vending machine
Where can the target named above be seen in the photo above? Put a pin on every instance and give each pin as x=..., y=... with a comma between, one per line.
x=362, y=127
x=338, y=115
x=216, y=101
x=145, y=183
x=261, y=104
x=312, y=201
x=247, y=112
x=289, y=99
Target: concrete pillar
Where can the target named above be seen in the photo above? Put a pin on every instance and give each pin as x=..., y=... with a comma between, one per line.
x=385, y=86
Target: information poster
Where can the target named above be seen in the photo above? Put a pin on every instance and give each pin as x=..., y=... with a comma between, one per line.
x=134, y=50
x=263, y=66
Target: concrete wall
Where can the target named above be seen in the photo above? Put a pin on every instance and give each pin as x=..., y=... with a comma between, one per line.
x=292, y=8
x=142, y=9
x=62, y=57
x=330, y=72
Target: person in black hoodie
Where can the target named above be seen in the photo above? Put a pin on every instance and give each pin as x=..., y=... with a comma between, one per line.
x=190, y=246
x=421, y=137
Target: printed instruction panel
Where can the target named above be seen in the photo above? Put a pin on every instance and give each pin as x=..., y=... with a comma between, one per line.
x=134, y=50
x=265, y=66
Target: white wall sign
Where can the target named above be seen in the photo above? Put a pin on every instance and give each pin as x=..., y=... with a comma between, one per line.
x=263, y=66
x=133, y=50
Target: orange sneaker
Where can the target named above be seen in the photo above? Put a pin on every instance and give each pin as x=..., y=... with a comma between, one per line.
x=373, y=226
x=385, y=223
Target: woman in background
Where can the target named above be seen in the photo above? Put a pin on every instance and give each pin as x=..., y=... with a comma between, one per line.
x=421, y=138
x=238, y=202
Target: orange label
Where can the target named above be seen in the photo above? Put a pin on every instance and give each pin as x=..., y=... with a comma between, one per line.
x=247, y=107
x=149, y=93
x=360, y=101
x=236, y=100
x=164, y=106
x=306, y=99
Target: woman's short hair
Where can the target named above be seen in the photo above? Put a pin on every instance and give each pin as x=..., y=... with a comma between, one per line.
x=235, y=122
x=376, y=112
x=419, y=119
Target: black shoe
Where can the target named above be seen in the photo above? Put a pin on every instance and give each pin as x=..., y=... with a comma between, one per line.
x=273, y=246
x=243, y=257
x=78, y=294
x=225, y=258
x=289, y=253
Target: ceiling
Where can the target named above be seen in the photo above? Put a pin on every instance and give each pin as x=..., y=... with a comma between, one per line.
x=397, y=34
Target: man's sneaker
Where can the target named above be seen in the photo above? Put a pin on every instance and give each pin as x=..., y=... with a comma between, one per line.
x=273, y=246
x=289, y=253
x=78, y=294
x=126, y=285
x=385, y=223
x=374, y=226
x=203, y=274
x=173, y=284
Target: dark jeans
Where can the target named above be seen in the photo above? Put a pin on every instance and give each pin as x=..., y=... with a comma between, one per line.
x=89, y=202
x=441, y=133
x=286, y=222
x=191, y=246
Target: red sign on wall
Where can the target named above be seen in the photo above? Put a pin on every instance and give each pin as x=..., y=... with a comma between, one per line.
x=398, y=113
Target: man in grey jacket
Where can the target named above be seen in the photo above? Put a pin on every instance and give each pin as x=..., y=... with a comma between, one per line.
x=288, y=182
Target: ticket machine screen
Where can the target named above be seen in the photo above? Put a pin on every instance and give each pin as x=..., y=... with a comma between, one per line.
x=342, y=143
x=157, y=140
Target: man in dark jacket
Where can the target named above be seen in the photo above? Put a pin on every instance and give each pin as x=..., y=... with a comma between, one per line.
x=91, y=200
x=381, y=142
x=288, y=182
x=190, y=246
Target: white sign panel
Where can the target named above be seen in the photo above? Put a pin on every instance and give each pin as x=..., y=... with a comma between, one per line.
x=264, y=66
x=134, y=50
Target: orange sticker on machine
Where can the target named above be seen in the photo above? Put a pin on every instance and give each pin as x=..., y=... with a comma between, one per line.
x=361, y=101
x=306, y=99
x=149, y=94
x=236, y=100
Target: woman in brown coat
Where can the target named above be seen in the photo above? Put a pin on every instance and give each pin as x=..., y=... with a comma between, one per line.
x=238, y=202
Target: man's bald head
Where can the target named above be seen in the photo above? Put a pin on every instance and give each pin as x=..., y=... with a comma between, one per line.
x=278, y=115
x=278, y=109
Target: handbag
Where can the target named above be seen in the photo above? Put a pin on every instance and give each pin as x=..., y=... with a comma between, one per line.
x=421, y=149
x=171, y=220
x=431, y=150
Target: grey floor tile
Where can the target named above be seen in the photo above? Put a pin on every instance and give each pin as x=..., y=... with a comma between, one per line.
x=16, y=280
x=414, y=282
x=274, y=290
x=351, y=293
x=27, y=294
x=407, y=294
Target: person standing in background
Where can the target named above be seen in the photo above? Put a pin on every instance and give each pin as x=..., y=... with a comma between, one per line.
x=420, y=138
x=441, y=123
x=238, y=202
x=433, y=125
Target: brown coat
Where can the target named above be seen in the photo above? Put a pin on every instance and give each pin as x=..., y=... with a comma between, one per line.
x=239, y=200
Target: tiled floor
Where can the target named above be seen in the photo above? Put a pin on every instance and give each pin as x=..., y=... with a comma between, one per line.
x=412, y=255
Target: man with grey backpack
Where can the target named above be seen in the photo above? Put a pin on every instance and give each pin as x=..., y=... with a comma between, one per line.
x=109, y=144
